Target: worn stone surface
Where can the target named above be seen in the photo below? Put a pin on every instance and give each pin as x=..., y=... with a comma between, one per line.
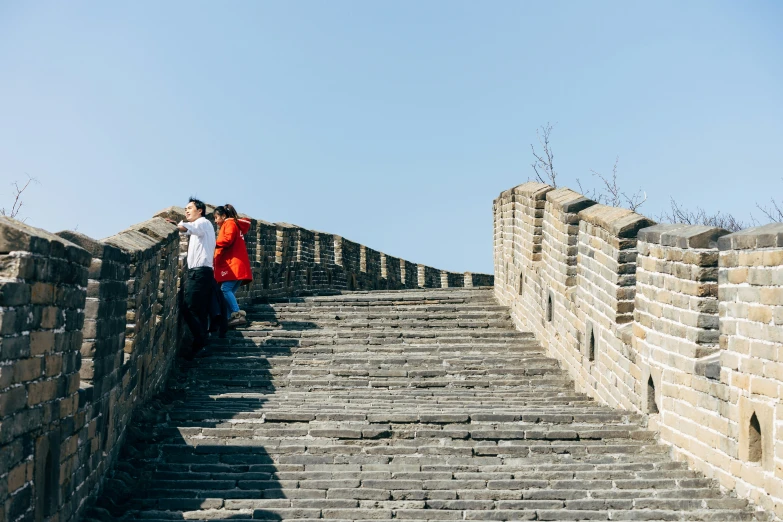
x=412, y=405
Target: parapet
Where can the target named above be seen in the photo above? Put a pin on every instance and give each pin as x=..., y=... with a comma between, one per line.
x=532, y=190
x=619, y=222
x=683, y=323
x=16, y=236
x=767, y=236
x=682, y=235
x=89, y=330
x=567, y=201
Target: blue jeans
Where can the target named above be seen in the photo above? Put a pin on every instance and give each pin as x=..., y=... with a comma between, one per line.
x=229, y=289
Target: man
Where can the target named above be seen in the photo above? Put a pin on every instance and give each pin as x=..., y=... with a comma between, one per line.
x=200, y=280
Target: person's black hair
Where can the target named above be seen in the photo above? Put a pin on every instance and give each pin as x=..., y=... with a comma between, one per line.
x=228, y=211
x=199, y=205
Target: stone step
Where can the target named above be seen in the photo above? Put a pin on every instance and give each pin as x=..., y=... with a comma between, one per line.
x=415, y=373
x=307, y=478
x=382, y=325
x=273, y=412
x=469, y=304
x=361, y=331
x=340, y=316
x=368, y=348
x=422, y=311
x=525, y=405
x=441, y=357
x=464, y=435
x=409, y=405
x=475, y=310
x=402, y=296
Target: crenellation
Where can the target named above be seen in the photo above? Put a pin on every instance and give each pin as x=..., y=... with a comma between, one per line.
x=409, y=274
x=453, y=280
x=266, y=242
x=392, y=272
x=372, y=269
x=305, y=246
x=681, y=322
x=529, y=204
x=429, y=277
x=89, y=331
x=286, y=238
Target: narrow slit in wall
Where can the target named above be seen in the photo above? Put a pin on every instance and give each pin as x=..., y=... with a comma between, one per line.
x=549, y=311
x=591, y=346
x=754, y=440
x=652, y=406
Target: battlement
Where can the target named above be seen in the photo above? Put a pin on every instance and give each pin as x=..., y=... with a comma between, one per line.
x=89, y=330
x=681, y=322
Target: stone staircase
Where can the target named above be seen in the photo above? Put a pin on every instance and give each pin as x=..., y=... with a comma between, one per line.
x=406, y=405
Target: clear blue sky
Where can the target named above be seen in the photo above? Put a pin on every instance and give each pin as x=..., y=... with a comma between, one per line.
x=394, y=124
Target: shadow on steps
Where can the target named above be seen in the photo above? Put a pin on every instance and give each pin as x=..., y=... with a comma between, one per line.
x=183, y=458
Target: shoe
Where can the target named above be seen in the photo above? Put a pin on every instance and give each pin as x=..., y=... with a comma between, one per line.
x=243, y=314
x=235, y=320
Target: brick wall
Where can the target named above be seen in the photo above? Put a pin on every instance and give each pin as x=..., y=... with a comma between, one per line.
x=90, y=329
x=750, y=292
x=42, y=294
x=683, y=323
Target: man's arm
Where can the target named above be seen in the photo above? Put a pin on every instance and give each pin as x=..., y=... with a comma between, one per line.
x=198, y=228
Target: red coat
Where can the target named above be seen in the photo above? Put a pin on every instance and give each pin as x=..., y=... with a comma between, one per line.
x=231, y=260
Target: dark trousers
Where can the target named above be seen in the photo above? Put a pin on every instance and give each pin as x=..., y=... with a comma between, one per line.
x=218, y=318
x=199, y=286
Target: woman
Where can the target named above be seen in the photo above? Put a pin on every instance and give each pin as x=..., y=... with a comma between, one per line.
x=232, y=264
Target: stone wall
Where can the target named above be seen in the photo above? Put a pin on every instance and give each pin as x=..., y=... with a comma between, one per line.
x=88, y=333
x=681, y=322
x=90, y=329
x=290, y=260
x=42, y=426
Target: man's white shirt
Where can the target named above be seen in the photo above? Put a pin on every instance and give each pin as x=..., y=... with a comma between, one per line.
x=201, y=245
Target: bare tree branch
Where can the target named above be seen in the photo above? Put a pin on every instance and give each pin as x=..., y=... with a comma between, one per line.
x=611, y=193
x=678, y=214
x=774, y=212
x=18, y=202
x=590, y=193
x=543, y=165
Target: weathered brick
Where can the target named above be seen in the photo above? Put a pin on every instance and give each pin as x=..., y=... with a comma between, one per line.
x=28, y=369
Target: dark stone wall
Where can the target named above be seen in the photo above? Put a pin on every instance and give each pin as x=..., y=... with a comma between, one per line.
x=430, y=277
x=410, y=277
x=454, y=279
x=90, y=329
x=391, y=271
x=42, y=426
